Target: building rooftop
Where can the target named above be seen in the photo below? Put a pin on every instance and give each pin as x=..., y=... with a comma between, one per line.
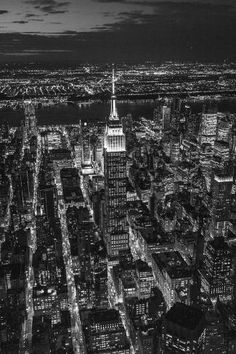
x=60, y=154
x=128, y=283
x=185, y=316
x=104, y=316
x=72, y=194
x=173, y=263
x=71, y=185
x=219, y=244
x=221, y=145
x=143, y=266
x=17, y=271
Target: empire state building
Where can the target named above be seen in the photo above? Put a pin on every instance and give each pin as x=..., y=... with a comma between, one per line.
x=115, y=228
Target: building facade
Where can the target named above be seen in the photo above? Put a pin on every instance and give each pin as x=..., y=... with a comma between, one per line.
x=115, y=229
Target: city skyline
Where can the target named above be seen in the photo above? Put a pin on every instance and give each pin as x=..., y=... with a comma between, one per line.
x=118, y=177
x=103, y=30
x=118, y=233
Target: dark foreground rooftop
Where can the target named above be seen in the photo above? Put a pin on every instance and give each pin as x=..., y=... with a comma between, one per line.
x=185, y=316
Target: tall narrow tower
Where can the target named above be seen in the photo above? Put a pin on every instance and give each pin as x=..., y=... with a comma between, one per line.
x=30, y=119
x=115, y=228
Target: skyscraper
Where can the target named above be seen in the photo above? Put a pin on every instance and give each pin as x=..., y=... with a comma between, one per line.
x=30, y=118
x=221, y=194
x=216, y=276
x=183, y=330
x=104, y=332
x=233, y=140
x=115, y=229
x=208, y=128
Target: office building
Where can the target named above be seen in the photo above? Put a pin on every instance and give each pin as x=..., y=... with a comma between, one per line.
x=223, y=128
x=104, y=332
x=115, y=231
x=30, y=119
x=173, y=276
x=215, y=336
x=217, y=280
x=208, y=128
x=221, y=195
x=165, y=117
x=183, y=330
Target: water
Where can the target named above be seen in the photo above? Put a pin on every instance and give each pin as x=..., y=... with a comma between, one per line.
x=13, y=117
x=71, y=114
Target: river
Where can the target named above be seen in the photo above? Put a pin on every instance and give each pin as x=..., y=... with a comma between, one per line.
x=71, y=113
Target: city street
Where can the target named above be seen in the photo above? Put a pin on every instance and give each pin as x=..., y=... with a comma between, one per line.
x=77, y=333
x=32, y=243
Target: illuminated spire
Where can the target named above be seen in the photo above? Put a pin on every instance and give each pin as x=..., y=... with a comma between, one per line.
x=113, y=114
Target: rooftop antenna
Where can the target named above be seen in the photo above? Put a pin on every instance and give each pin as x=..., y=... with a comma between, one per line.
x=113, y=114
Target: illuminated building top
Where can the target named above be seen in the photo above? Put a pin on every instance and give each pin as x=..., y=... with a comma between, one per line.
x=114, y=140
x=113, y=114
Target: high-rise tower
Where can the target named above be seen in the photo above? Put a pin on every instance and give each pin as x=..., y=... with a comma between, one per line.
x=217, y=279
x=30, y=119
x=115, y=228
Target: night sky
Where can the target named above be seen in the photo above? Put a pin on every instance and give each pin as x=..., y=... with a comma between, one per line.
x=119, y=30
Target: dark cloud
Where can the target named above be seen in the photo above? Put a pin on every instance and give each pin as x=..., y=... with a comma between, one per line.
x=36, y=20
x=50, y=6
x=50, y=10
x=20, y=22
x=171, y=16
x=2, y=12
x=156, y=2
x=158, y=41
x=183, y=31
x=210, y=4
x=31, y=15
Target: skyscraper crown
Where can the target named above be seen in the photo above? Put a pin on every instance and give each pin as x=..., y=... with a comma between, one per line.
x=113, y=114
